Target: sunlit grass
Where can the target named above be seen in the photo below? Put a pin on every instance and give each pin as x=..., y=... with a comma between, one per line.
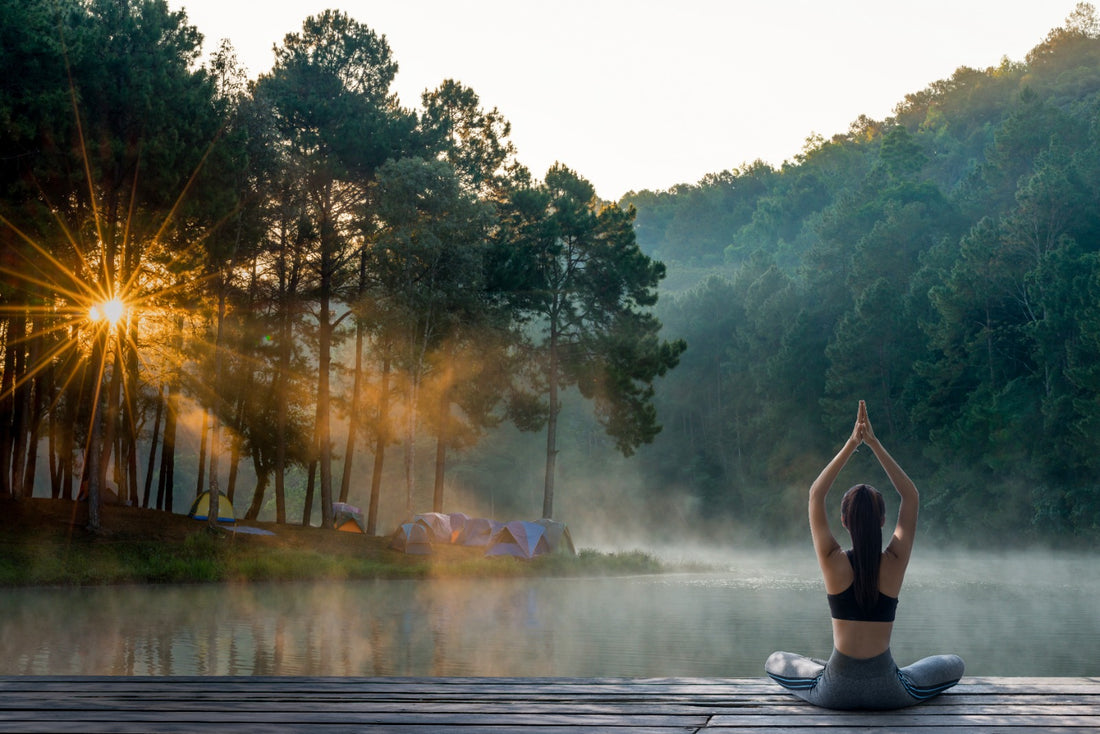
x=206, y=557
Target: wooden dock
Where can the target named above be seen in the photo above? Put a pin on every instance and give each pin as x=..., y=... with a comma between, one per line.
x=538, y=705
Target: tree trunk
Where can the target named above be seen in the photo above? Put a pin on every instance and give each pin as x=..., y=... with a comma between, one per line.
x=166, y=479
x=215, y=431
x=280, y=439
x=551, y=430
x=53, y=456
x=324, y=424
x=7, y=383
x=201, y=480
x=213, y=487
x=356, y=386
x=262, y=479
x=280, y=393
x=234, y=461
x=21, y=417
x=151, y=466
x=441, y=447
x=67, y=439
x=440, y=465
x=42, y=380
x=311, y=483
x=93, y=454
x=110, y=423
x=410, y=445
x=353, y=417
x=288, y=270
x=130, y=411
x=381, y=439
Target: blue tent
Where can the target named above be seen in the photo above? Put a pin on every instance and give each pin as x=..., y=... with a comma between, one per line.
x=411, y=538
x=520, y=540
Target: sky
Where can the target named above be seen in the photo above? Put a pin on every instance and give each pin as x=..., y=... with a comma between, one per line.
x=640, y=94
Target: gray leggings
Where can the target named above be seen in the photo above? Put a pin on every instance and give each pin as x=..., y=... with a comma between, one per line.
x=874, y=683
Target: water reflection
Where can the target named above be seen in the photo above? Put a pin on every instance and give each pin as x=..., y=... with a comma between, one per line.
x=1004, y=616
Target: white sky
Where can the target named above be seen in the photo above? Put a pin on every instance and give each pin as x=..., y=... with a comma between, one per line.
x=642, y=94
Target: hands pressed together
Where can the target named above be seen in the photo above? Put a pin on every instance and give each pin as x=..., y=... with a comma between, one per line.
x=862, y=431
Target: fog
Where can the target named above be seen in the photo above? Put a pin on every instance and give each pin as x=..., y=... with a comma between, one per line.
x=1006, y=614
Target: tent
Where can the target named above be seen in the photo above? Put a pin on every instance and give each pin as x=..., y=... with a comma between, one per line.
x=348, y=522
x=411, y=538
x=458, y=522
x=476, y=531
x=558, y=536
x=347, y=518
x=200, y=508
x=437, y=524
x=520, y=540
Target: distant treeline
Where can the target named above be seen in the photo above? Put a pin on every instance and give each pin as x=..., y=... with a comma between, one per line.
x=942, y=264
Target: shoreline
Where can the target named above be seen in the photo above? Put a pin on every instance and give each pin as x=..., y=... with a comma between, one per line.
x=46, y=542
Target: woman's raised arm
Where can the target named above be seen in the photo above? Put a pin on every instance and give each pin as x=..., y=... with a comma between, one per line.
x=825, y=544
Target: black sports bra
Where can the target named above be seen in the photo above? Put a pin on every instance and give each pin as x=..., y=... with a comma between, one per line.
x=845, y=606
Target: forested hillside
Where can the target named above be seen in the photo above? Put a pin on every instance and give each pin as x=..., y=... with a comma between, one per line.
x=942, y=264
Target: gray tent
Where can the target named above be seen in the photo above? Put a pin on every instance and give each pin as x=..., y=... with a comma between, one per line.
x=437, y=524
x=476, y=531
x=411, y=538
x=558, y=536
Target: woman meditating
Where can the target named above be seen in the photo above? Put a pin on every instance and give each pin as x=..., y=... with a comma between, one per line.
x=863, y=586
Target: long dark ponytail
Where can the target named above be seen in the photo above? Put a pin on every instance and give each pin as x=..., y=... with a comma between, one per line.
x=863, y=510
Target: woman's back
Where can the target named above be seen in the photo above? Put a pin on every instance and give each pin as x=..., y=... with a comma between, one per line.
x=857, y=632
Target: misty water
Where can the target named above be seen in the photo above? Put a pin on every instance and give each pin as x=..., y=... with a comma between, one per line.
x=1014, y=614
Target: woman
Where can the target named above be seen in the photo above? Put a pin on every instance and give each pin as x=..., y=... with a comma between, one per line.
x=862, y=586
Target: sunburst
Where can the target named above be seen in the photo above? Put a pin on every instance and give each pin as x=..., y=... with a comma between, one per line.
x=112, y=311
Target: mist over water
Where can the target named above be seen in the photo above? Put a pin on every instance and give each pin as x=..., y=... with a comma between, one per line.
x=1014, y=614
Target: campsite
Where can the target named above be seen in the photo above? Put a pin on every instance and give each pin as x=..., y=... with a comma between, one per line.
x=46, y=542
x=514, y=539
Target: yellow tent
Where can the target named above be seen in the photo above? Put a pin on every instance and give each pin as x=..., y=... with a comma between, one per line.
x=200, y=509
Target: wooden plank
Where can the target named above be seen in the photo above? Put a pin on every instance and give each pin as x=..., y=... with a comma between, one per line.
x=890, y=721
x=409, y=716
x=276, y=727
x=899, y=730
x=8, y=708
x=543, y=705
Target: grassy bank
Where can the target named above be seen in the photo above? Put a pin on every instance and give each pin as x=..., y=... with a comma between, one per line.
x=46, y=542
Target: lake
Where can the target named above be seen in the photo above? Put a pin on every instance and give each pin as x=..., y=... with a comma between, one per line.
x=1022, y=614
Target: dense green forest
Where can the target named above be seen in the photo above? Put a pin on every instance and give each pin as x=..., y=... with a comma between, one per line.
x=327, y=295
x=942, y=264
